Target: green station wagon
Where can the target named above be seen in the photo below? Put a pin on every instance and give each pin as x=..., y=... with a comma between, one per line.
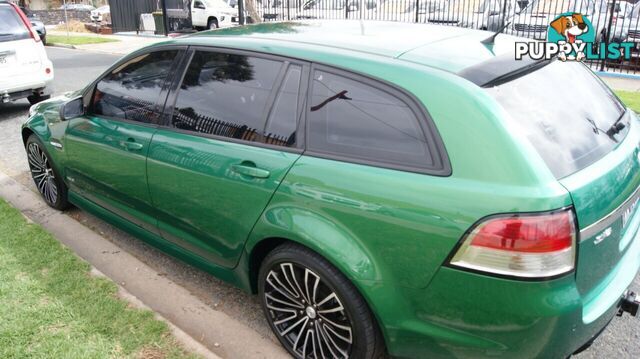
x=384, y=187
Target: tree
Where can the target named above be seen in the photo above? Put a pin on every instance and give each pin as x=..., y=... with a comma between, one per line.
x=251, y=9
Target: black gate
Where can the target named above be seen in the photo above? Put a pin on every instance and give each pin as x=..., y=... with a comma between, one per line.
x=125, y=14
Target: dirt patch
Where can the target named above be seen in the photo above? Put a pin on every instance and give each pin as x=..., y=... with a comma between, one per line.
x=72, y=26
x=151, y=353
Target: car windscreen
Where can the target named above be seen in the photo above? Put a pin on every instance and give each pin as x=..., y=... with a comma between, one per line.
x=11, y=26
x=565, y=111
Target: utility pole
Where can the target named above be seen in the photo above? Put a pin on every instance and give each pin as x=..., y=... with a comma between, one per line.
x=164, y=17
x=241, y=12
x=66, y=18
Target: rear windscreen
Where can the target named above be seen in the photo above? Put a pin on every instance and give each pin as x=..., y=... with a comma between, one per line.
x=11, y=26
x=565, y=111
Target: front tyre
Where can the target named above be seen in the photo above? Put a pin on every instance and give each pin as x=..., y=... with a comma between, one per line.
x=47, y=180
x=212, y=24
x=313, y=309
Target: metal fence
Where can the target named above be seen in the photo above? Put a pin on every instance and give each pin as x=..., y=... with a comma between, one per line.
x=613, y=20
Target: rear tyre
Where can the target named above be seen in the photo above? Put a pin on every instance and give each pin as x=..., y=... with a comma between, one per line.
x=46, y=178
x=212, y=24
x=313, y=309
x=34, y=99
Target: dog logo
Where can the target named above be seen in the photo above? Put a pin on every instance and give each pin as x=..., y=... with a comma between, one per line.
x=573, y=29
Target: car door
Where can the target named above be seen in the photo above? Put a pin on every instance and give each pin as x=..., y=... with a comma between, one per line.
x=107, y=147
x=198, y=13
x=231, y=137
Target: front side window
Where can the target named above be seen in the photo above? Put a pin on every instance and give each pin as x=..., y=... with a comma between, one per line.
x=349, y=118
x=230, y=95
x=130, y=92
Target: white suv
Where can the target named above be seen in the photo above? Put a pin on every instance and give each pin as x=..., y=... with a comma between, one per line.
x=212, y=14
x=25, y=70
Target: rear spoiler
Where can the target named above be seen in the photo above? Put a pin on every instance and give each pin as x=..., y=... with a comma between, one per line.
x=501, y=69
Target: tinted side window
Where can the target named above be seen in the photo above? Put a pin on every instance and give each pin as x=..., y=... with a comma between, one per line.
x=283, y=120
x=130, y=91
x=227, y=95
x=351, y=119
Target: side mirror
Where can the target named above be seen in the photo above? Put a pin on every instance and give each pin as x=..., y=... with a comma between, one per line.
x=72, y=109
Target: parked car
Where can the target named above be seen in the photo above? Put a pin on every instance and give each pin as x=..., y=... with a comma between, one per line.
x=212, y=14
x=491, y=15
x=533, y=22
x=378, y=191
x=101, y=14
x=26, y=70
x=36, y=24
x=630, y=29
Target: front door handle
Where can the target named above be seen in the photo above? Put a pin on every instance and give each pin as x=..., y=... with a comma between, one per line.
x=131, y=145
x=249, y=169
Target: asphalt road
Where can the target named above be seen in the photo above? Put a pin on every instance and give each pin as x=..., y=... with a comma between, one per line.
x=74, y=69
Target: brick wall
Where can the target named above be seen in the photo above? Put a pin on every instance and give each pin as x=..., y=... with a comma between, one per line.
x=54, y=17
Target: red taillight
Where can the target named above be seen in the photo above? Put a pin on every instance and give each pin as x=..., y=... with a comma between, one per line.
x=26, y=23
x=47, y=71
x=537, y=234
x=521, y=245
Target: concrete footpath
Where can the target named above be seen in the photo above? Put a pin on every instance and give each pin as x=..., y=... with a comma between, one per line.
x=202, y=330
x=125, y=44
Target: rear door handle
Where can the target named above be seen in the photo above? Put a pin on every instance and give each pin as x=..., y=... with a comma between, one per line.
x=251, y=171
x=131, y=145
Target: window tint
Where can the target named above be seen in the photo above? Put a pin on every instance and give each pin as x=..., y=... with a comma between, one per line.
x=283, y=120
x=130, y=91
x=567, y=124
x=227, y=95
x=350, y=118
x=11, y=26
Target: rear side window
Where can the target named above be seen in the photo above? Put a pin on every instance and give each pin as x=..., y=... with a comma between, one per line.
x=283, y=119
x=11, y=26
x=352, y=119
x=130, y=92
x=565, y=112
x=231, y=95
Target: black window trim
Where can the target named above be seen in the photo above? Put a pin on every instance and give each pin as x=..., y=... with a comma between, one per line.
x=89, y=91
x=430, y=132
x=169, y=107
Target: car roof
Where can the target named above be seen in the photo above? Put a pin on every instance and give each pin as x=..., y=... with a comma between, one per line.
x=443, y=47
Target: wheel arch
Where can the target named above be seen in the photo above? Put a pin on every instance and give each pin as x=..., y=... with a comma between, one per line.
x=327, y=237
x=26, y=132
x=213, y=18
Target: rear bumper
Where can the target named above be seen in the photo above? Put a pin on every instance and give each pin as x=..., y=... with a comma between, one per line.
x=39, y=81
x=463, y=314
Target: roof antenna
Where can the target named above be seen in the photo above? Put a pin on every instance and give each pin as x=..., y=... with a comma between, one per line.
x=490, y=41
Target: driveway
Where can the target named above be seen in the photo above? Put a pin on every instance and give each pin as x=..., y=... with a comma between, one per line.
x=74, y=69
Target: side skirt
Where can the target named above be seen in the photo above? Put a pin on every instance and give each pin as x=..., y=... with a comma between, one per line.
x=237, y=277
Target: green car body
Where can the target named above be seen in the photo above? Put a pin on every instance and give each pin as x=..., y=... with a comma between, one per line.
x=390, y=231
